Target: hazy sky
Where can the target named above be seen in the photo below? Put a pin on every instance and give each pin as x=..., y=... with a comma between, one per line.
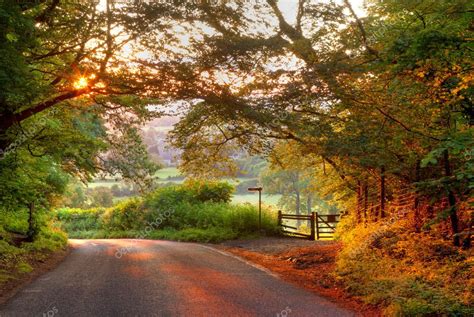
x=289, y=7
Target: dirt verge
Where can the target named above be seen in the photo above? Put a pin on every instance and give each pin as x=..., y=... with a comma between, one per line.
x=308, y=264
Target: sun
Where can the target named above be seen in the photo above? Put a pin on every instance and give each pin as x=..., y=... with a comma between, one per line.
x=81, y=83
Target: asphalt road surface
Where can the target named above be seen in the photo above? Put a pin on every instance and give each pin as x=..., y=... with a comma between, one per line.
x=161, y=278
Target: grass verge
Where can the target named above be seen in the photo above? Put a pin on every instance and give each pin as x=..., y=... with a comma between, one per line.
x=21, y=261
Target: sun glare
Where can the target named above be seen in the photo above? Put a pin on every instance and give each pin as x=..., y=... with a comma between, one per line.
x=81, y=83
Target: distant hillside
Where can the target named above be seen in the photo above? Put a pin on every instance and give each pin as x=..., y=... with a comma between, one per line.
x=155, y=137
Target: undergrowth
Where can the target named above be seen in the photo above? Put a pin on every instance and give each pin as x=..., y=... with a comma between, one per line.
x=406, y=273
x=17, y=255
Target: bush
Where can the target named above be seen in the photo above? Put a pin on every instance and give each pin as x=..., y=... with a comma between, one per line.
x=182, y=212
x=8, y=251
x=192, y=192
x=13, y=221
x=216, y=192
x=75, y=219
x=126, y=215
x=48, y=239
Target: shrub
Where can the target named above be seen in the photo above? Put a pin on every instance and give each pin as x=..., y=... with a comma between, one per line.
x=74, y=219
x=14, y=259
x=217, y=192
x=192, y=192
x=48, y=239
x=181, y=212
x=13, y=221
x=126, y=215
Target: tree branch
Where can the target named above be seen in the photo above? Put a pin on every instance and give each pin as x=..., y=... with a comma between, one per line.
x=10, y=120
x=361, y=29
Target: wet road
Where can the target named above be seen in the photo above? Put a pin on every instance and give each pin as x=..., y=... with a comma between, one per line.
x=161, y=278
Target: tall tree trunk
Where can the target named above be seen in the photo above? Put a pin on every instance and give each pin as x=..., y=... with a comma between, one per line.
x=359, y=202
x=453, y=215
x=366, y=200
x=382, y=192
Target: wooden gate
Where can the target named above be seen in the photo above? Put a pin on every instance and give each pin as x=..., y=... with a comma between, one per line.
x=322, y=226
x=326, y=225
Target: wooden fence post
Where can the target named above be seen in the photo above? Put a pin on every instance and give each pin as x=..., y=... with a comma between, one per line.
x=317, y=224
x=313, y=223
x=279, y=218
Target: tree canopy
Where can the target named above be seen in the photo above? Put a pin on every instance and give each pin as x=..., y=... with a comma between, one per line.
x=383, y=98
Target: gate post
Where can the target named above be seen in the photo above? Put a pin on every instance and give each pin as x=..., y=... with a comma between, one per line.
x=317, y=225
x=279, y=218
x=313, y=219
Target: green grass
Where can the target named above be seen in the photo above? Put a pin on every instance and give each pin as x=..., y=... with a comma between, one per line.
x=101, y=183
x=269, y=200
x=164, y=173
x=14, y=259
x=24, y=267
x=199, y=222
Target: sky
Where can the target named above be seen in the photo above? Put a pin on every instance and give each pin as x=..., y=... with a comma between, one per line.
x=289, y=7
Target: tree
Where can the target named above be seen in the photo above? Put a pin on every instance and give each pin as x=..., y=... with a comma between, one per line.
x=101, y=197
x=371, y=101
x=30, y=183
x=297, y=180
x=69, y=101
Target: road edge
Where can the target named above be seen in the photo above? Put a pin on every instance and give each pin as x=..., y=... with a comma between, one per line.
x=257, y=266
x=12, y=287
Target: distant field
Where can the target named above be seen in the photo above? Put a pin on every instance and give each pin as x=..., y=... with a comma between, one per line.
x=253, y=199
x=162, y=177
x=164, y=173
x=102, y=183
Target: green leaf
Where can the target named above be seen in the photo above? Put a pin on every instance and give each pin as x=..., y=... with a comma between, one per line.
x=428, y=160
x=11, y=37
